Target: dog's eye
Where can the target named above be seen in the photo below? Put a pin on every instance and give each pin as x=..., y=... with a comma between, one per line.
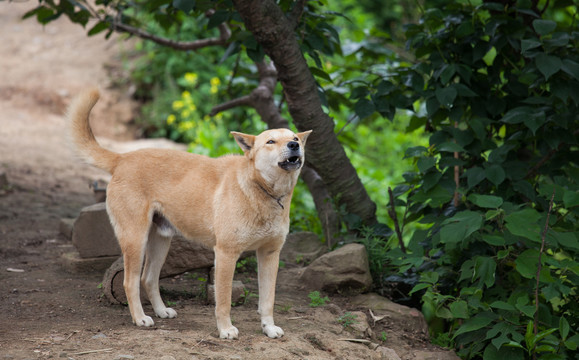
x=270, y=142
x=296, y=139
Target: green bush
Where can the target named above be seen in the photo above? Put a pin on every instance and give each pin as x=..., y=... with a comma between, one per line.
x=496, y=188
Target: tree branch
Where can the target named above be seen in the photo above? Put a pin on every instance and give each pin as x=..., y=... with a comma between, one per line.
x=296, y=13
x=242, y=101
x=224, y=35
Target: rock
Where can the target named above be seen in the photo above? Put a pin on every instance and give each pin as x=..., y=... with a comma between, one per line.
x=184, y=255
x=237, y=293
x=387, y=353
x=99, y=336
x=412, y=319
x=73, y=263
x=343, y=270
x=92, y=233
x=356, y=323
x=302, y=248
x=435, y=355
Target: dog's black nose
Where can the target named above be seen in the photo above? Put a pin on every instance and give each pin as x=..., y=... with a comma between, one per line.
x=292, y=145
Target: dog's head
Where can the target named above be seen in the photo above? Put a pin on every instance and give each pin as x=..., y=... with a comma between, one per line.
x=274, y=150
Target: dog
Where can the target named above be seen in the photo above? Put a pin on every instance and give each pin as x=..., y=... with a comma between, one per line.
x=232, y=204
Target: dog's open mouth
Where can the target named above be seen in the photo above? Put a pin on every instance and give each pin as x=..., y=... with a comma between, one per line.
x=291, y=163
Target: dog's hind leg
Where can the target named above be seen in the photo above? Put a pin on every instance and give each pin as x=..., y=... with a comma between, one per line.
x=131, y=227
x=268, y=264
x=157, y=249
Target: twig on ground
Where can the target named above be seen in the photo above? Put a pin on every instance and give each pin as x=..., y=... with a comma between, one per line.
x=92, y=351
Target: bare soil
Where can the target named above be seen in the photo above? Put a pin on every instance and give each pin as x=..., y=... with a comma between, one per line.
x=48, y=313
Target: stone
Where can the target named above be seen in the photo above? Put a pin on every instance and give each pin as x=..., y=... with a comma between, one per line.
x=302, y=248
x=387, y=353
x=73, y=263
x=3, y=180
x=92, y=233
x=356, y=323
x=434, y=355
x=238, y=293
x=345, y=270
x=411, y=318
x=184, y=255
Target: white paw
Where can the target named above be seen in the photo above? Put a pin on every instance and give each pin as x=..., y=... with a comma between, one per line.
x=229, y=333
x=145, y=321
x=166, y=313
x=272, y=331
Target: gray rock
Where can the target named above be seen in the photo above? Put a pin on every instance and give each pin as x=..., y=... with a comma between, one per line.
x=92, y=233
x=302, y=248
x=344, y=270
x=412, y=319
x=387, y=353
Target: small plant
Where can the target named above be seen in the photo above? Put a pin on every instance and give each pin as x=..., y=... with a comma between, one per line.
x=383, y=336
x=248, y=264
x=247, y=294
x=284, y=308
x=100, y=286
x=171, y=303
x=317, y=300
x=347, y=320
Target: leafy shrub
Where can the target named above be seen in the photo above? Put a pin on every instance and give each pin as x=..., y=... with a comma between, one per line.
x=496, y=265
x=316, y=299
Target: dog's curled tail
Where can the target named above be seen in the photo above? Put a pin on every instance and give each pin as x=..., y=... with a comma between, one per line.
x=82, y=136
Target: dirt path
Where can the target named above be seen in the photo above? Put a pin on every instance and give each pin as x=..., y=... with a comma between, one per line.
x=49, y=313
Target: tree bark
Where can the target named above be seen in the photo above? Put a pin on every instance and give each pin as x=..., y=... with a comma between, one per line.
x=275, y=33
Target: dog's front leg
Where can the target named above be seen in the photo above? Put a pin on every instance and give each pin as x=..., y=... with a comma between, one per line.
x=268, y=264
x=225, y=261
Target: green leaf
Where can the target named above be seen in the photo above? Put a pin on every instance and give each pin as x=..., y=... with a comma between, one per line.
x=446, y=96
x=460, y=226
x=490, y=56
x=450, y=147
x=320, y=73
x=459, y=309
x=529, y=44
x=535, y=121
x=518, y=115
x=526, y=263
x=524, y=223
x=502, y=305
x=495, y=174
x=570, y=198
x=567, y=239
x=478, y=322
x=425, y=163
x=544, y=27
x=485, y=201
x=100, y=26
x=494, y=240
x=548, y=64
x=364, y=108
x=563, y=328
x=184, y=5
x=474, y=176
x=447, y=74
x=415, y=151
x=484, y=269
x=571, y=68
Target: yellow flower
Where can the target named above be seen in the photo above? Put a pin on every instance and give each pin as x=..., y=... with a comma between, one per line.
x=178, y=104
x=191, y=78
x=185, y=113
x=171, y=119
x=215, y=81
x=213, y=89
x=186, y=95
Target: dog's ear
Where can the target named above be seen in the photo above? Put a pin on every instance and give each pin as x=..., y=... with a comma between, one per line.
x=304, y=136
x=244, y=141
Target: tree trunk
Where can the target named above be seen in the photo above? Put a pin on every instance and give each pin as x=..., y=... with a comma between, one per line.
x=275, y=33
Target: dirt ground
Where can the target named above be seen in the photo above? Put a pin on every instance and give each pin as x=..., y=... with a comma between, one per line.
x=48, y=313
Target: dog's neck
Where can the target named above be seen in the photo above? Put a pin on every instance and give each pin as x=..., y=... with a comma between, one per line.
x=277, y=199
x=277, y=189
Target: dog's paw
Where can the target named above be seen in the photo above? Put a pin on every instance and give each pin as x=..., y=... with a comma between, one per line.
x=272, y=331
x=146, y=321
x=229, y=333
x=166, y=313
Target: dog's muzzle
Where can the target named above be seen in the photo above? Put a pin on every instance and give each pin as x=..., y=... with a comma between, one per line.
x=293, y=157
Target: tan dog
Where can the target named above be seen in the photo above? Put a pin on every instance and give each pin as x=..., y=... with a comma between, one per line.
x=231, y=204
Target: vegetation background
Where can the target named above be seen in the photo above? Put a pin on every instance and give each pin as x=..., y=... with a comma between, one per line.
x=460, y=118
